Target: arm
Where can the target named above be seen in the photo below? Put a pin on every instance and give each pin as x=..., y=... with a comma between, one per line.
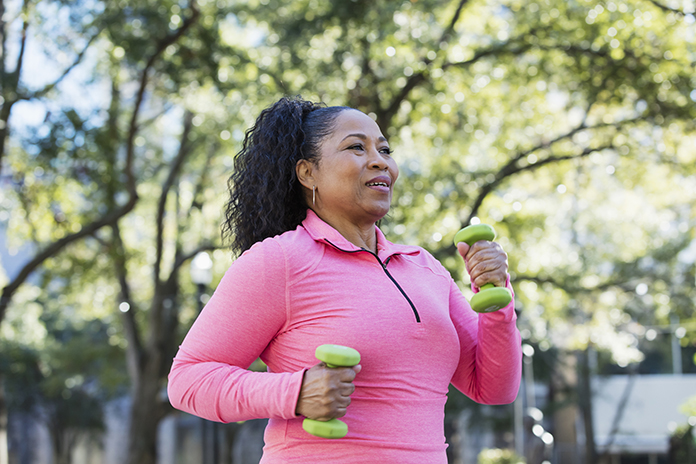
x=209, y=376
x=490, y=360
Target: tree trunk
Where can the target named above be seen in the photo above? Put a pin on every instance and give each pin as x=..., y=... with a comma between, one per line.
x=4, y=452
x=145, y=415
x=585, y=402
x=63, y=445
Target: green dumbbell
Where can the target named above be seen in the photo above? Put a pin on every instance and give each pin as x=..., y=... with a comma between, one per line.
x=490, y=298
x=333, y=356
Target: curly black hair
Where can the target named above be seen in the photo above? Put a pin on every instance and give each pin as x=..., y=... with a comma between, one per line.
x=265, y=195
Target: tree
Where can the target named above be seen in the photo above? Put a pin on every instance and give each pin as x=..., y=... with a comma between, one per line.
x=64, y=380
x=568, y=125
x=75, y=180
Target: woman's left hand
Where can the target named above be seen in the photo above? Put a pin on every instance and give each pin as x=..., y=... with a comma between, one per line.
x=486, y=263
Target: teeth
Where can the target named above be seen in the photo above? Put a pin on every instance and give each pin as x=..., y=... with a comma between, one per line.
x=383, y=184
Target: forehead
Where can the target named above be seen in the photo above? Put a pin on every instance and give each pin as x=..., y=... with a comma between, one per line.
x=355, y=122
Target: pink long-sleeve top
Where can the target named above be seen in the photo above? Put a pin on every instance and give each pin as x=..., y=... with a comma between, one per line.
x=400, y=309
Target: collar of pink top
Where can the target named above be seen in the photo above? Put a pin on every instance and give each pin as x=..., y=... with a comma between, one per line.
x=323, y=232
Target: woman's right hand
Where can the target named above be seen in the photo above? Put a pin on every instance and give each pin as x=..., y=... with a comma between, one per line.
x=325, y=392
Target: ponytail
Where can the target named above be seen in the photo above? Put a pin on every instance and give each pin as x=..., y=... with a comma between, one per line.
x=265, y=196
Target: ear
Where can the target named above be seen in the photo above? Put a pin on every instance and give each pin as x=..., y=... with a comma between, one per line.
x=305, y=173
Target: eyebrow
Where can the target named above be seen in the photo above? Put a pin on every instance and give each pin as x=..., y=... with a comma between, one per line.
x=363, y=137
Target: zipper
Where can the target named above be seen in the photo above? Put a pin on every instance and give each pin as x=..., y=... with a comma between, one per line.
x=383, y=265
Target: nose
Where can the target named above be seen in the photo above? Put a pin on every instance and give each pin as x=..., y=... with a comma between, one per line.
x=377, y=161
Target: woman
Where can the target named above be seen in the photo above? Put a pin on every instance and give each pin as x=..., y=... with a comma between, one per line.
x=310, y=183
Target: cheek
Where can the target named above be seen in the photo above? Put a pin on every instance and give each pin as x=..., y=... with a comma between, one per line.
x=395, y=170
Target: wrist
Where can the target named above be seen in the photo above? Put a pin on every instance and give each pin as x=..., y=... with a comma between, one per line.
x=299, y=394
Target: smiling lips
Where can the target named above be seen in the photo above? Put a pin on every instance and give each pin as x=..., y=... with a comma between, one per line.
x=381, y=183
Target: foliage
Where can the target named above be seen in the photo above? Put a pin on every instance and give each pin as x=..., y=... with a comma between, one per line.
x=689, y=408
x=682, y=445
x=596, y=101
x=66, y=381
x=568, y=125
x=499, y=456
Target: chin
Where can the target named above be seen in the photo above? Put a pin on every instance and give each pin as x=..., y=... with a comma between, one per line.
x=375, y=212
x=380, y=213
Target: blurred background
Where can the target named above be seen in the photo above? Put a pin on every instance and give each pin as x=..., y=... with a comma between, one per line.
x=568, y=125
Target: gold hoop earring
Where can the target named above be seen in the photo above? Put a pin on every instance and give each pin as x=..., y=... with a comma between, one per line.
x=314, y=195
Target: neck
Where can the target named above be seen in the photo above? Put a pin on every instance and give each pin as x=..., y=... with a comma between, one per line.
x=361, y=235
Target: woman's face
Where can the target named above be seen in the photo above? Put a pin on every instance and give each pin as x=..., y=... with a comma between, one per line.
x=355, y=173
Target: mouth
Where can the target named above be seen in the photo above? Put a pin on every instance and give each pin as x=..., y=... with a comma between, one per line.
x=381, y=182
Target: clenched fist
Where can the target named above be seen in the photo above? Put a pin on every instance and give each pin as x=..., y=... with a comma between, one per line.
x=325, y=392
x=486, y=263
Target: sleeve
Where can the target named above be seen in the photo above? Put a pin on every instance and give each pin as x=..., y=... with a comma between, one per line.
x=209, y=376
x=490, y=359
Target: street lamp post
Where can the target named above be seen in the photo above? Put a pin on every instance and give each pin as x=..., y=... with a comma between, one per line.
x=676, y=346
x=201, y=275
x=528, y=398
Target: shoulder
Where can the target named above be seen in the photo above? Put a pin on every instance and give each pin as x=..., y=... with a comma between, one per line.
x=293, y=253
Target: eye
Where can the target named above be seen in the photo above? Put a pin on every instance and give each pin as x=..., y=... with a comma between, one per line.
x=356, y=147
x=386, y=151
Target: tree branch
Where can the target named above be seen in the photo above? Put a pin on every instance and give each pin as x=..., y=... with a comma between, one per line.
x=505, y=48
x=24, y=201
x=10, y=82
x=513, y=168
x=574, y=289
x=134, y=351
x=161, y=47
x=453, y=22
x=181, y=260
x=213, y=148
x=385, y=115
x=163, y=317
x=112, y=217
x=55, y=247
x=130, y=150
x=570, y=289
x=52, y=85
x=3, y=45
x=667, y=8
x=22, y=46
x=490, y=51
x=184, y=150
